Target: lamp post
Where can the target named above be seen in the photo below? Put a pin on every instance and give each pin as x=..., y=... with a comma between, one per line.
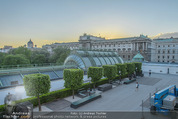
x=89, y=79
x=120, y=77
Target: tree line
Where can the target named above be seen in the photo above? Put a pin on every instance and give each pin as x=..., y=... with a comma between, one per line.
x=23, y=55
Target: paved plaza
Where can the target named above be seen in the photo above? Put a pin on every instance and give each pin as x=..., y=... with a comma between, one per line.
x=120, y=98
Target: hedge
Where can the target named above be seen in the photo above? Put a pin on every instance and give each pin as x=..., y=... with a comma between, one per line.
x=138, y=66
x=122, y=68
x=73, y=79
x=48, y=96
x=130, y=68
x=96, y=73
x=110, y=71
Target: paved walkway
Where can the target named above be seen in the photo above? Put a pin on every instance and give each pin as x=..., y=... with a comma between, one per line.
x=121, y=98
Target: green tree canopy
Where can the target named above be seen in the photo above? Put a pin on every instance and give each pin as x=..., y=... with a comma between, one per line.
x=15, y=60
x=122, y=68
x=36, y=84
x=73, y=78
x=2, y=56
x=38, y=59
x=21, y=50
x=59, y=55
x=110, y=71
x=96, y=73
x=40, y=56
x=138, y=66
x=130, y=68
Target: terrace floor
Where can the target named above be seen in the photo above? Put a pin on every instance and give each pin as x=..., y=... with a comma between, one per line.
x=122, y=98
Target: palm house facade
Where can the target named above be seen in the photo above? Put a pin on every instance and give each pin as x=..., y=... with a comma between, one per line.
x=84, y=59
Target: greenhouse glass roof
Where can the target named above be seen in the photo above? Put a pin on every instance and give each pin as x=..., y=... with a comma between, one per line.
x=85, y=59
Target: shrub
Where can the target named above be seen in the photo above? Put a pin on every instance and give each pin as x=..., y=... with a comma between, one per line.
x=96, y=73
x=122, y=68
x=138, y=67
x=130, y=68
x=36, y=84
x=2, y=108
x=110, y=71
x=73, y=79
x=48, y=96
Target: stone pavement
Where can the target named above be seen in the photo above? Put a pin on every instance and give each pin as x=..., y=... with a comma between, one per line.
x=120, y=98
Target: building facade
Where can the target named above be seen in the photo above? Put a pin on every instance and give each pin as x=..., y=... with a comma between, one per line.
x=6, y=49
x=125, y=47
x=166, y=50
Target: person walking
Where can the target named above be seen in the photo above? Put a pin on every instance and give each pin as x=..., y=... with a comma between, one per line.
x=137, y=86
x=149, y=72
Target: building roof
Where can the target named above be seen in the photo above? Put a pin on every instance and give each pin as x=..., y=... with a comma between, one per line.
x=85, y=59
x=138, y=56
x=30, y=41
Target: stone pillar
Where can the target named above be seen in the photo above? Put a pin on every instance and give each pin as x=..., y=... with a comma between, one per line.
x=137, y=46
x=146, y=46
x=143, y=46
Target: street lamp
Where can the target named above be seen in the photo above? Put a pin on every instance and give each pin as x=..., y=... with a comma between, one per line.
x=89, y=79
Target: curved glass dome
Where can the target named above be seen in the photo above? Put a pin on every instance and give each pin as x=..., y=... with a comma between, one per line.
x=85, y=59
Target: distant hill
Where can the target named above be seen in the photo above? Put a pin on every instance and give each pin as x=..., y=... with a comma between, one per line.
x=166, y=35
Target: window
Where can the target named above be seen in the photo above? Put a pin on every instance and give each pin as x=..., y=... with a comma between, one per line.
x=167, y=61
x=168, y=51
x=172, y=57
x=109, y=45
x=158, y=60
x=114, y=45
x=119, y=49
x=168, y=57
x=158, y=57
x=129, y=49
x=105, y=45
x=168, y=45
x=123, y=56
x=123, y=49
x=129, y=56
x=163, y=60
x=163, y=46
x=173, y=51
x=158, y=46
x=173, y=45
x=163, y=52
x=163, y=57
x=158, y=51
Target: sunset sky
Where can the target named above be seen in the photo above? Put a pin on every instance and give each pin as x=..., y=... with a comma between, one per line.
x=50, y=21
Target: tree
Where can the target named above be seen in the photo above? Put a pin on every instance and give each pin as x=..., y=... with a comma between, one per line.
x=15, y=60
x=39, y=54
x=59, y=54
x=73, y=79
x=138, y=67
x=21, y=50
x=96, y=73
x=2, y=56
x=110, y=71
x=38, y=59
x=130, y=69
x=36, y=84
x=122, y=68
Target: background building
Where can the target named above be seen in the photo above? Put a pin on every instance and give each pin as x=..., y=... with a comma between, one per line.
x=166, y=50
x=6, y=49
x=125, y=47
